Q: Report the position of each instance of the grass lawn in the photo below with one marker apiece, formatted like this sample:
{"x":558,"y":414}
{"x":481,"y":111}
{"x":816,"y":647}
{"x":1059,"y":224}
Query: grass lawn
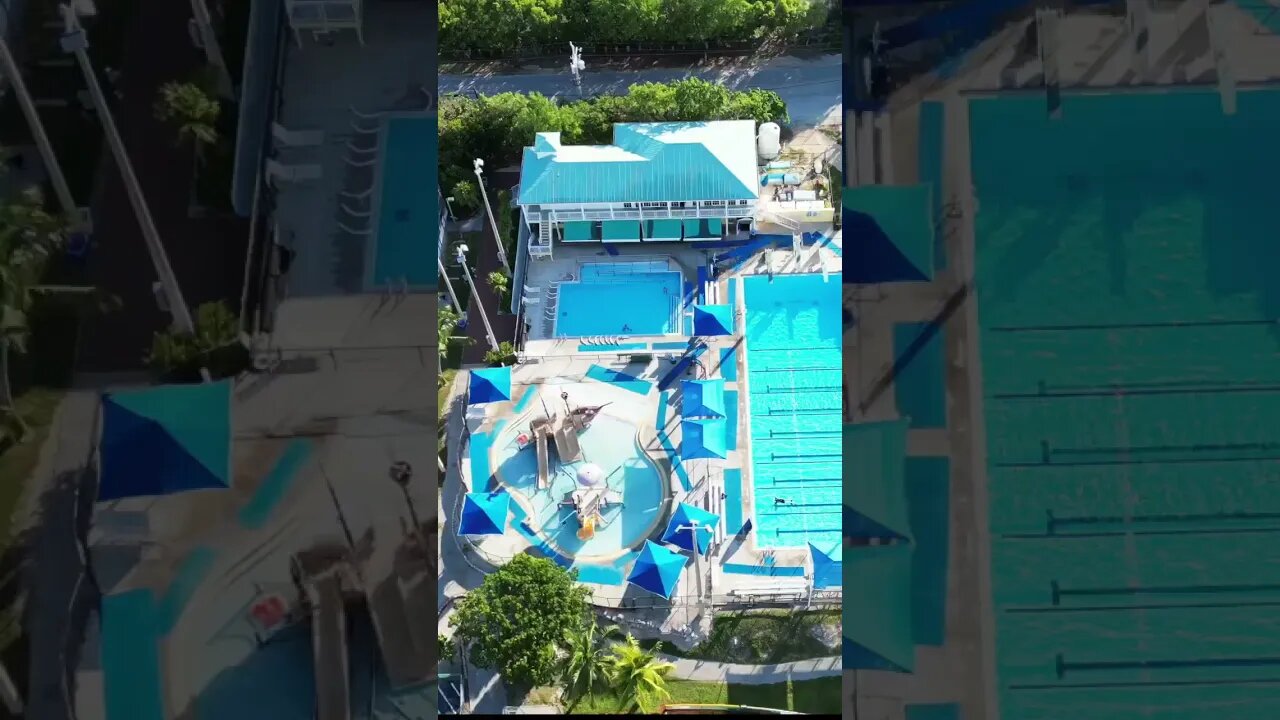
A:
{"x":821,"y":696}
{"x":442,"y":394}
{"x":36,"y":406}
{"x":762,"y":637}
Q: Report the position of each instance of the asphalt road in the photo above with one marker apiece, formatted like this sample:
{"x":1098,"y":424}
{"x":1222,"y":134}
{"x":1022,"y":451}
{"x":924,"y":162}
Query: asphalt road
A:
{"x":810,"y":87}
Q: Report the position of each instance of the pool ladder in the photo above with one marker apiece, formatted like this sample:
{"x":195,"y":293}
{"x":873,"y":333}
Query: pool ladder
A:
{"x":549,"y":310}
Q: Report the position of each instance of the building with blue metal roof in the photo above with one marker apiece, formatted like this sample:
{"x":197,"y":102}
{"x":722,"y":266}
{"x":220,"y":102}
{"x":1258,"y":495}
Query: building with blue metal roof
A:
{"x":657,"y":182}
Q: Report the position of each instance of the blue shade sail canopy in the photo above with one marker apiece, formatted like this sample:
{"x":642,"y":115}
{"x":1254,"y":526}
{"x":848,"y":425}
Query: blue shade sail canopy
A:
{"x":484,"y":513}
{"x":490,"y":385}
{"x":680,"y":530}
{"x":657,"y":569}
{"x":702,"y":398}
{"x":828,"y":568}
{"x":875,"y":496}
{"x":704,"y":440}
{"x":712,"y":320}
{"x":164,"y":440}
{"x":877,"y":623}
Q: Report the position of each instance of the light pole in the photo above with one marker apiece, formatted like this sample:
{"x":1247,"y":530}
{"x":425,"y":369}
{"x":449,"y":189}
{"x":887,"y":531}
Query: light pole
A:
{"x":212,"y":50}
{"x":60,"y":187}
{"x":75,"y":41}
{"x":478,"y":166}
{"x":461,"y":257}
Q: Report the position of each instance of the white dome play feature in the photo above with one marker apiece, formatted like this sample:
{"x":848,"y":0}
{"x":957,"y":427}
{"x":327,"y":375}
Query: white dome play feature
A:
{"x":590,"y":475}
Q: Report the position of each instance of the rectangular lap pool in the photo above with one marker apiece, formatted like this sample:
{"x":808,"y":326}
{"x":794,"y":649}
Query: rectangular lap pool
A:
{"x":794,"y":380}
{"x":1128,"y":307}
{"x":406,"y":216}
{"x":621,"y":299}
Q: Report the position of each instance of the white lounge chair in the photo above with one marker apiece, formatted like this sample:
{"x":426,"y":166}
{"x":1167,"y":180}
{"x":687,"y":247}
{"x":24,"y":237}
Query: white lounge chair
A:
{"x":278,"y":171}
{"x":364,"y":115}
{"x":354,"y":231}
{"x":296,"y":138}
{"x":363,"y":195}
{"x":361,"y":150}
{"x":353,"y":212}
{"x":361,"y":163}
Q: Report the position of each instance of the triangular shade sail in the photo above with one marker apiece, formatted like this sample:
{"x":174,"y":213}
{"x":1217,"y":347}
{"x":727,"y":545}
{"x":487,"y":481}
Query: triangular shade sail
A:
{"x":828,"y":570}
{"x":878,"y":633}
{"x":680,"y":530}
{"x":704,"y":440}
{"x":894,"y":225}
{"x":484,"y":513}
{"x":657,"y":569}
{"x":702,"y":398}
{"x":490,"y":385}
{"x":875,"y":497}
{"x":712,"y":320}
{"x":164,"y":440}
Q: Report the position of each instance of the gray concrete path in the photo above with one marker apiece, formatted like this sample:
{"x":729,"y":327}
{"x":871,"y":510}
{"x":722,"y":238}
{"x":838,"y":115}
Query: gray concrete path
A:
{"x":710,"y":671}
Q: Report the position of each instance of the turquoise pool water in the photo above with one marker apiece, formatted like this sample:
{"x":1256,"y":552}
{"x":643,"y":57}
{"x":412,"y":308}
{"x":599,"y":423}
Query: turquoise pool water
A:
{"x":793,"y":347}
{"x":1128,"y":304}
{"x":610,"y":443}
{"x":408,"y":213}
{"x":131,"y":657}
{"x":613,"y":301}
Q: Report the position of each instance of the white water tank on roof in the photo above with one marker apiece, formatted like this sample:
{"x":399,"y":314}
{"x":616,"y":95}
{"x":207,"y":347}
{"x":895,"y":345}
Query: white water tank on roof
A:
{"x":769,"y":141}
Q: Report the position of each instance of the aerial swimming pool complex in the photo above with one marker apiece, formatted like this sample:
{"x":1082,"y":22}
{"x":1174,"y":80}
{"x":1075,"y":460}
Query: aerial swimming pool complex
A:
{"x":671,"y":429}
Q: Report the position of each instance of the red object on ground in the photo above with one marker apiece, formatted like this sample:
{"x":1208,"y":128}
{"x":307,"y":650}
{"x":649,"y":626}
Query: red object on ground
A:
{"x":522,"y":439}
{"x":269,"y":612}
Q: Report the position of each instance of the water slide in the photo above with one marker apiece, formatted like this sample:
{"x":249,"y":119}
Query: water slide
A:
{"x":567,"y":446}
{"x":329,"y":645}
{"x":544,"y":464}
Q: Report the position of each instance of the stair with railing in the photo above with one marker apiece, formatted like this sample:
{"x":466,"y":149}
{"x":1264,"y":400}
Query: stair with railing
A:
{"x":540,"y":246}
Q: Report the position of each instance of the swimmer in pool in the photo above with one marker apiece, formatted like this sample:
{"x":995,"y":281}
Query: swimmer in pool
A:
{"x":626,"y":328}
{"x":781,"y":501}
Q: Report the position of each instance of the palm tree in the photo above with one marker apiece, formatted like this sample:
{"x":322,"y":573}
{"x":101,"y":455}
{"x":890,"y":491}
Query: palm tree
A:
{"x":588,"y":659}
{"x":28,"y":235}
{"x":636,"y":674}
{"x":191,"y":109}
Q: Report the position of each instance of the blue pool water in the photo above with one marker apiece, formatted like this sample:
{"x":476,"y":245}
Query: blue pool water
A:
{"x":794,"y":374}
{"x":258,"y":510}
{"x":610,"y":301}
{"x":408,"y":216}
{"x":610,"y":443}
{"x":131,"y":657}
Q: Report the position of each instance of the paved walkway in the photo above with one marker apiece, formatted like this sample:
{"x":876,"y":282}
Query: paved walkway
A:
{"x":709,"y":671}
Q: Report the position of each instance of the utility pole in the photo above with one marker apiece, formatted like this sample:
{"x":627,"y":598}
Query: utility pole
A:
{"x":76,"y":42}
{"x":51,"y":166}
{"x":475,"y":297}
{"x":478,"y":166}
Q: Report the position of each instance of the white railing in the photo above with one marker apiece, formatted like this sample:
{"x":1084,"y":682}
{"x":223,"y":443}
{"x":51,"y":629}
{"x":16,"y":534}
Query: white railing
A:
{"x":722,"y":212}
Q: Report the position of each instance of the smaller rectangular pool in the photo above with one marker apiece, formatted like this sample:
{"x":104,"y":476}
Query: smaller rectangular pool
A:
{"x":406,"y":217}
{"x":620,"y":303}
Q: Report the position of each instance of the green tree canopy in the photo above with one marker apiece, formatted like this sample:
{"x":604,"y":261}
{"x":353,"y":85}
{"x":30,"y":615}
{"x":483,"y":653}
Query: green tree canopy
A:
{"x":502,"y":27}
{"x":520,"y":618}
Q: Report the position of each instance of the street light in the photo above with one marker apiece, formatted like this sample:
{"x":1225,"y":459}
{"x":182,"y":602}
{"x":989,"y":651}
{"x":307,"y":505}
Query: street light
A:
{"x":51,"y":166}
{"x":461,"y":257}
{"x":478,"y":166}
{"x":75,"y":41}
{"x":448,"y":203}
{"x":401,"y":473}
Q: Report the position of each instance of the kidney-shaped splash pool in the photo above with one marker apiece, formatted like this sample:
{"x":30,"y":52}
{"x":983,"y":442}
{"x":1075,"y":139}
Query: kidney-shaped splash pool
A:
{"x":614,"y":445}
